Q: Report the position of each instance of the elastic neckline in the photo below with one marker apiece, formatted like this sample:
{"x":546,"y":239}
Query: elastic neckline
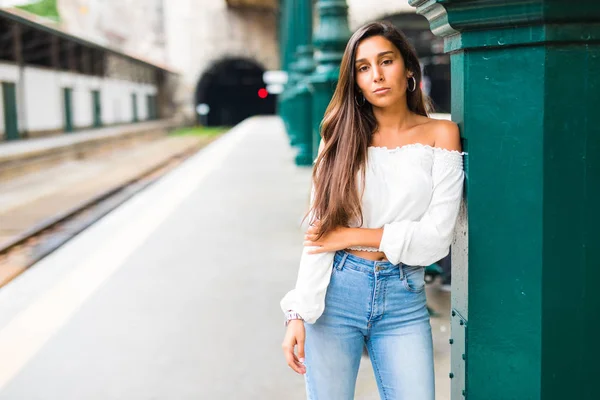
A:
{"x":415,"y":145}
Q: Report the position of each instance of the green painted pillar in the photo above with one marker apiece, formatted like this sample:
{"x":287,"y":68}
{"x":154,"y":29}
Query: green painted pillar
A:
{"x":526,"y":94}
{"x":330,"y":40}
{"x":304,"y":66}
{"x":283,"y":48}
{"x":134,"y":110}
{"x":97,"y":108}
{"x":291,"y":95}
{"x":11,"y":116}
{"x":288,"y":27}
{"x":293,"y":75}
{"x":289,"y":47}
{"x":68,"y":109}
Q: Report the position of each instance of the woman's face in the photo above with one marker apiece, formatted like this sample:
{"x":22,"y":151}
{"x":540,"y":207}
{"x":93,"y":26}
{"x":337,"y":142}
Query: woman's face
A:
{"x":380,"y":72}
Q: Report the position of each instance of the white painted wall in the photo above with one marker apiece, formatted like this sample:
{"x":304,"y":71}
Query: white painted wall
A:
{"x":44,"y":109}
{"x":116,"y":100}
{"x":43,"y":91}
{"x":143,"y":92}
{"x":112,"y":109}
{"x":9,"y":72}
{"x":82,"y":103}
{"x":13,"y":3}
{"x":142,"y":105}
{"x":43,"y":99}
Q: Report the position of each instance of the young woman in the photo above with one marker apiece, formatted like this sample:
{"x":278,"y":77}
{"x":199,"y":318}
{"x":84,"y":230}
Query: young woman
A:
{"x":387,"y":186}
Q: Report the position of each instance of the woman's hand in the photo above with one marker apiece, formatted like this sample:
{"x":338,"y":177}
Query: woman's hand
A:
{"x":338,"y":239}
{"x":294,"y":335}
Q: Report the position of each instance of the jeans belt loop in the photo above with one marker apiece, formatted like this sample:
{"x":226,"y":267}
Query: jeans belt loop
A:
{"x":342,"y":261}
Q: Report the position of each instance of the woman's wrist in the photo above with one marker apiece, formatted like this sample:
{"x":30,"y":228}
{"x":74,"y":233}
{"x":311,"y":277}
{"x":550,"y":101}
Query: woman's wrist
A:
{"x":353,"y":237}
{"x":291,"y":316}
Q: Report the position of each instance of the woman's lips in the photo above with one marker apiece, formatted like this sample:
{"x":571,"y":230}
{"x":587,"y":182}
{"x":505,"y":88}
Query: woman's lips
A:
{"x":381,"y":90}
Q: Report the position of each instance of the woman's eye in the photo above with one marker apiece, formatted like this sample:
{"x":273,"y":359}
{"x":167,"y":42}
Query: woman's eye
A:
{"x":386,"y":62}
{"x":363,"y":68}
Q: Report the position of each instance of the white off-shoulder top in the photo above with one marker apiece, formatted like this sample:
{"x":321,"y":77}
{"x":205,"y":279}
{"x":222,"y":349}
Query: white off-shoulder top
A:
{"x":413,"y":192}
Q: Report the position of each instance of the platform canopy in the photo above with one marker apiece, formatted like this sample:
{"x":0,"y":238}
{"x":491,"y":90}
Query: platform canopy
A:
{"x":253,"y":3}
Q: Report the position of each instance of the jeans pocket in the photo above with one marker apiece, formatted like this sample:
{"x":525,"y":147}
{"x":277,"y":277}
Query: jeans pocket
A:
{"x":414,"y":278}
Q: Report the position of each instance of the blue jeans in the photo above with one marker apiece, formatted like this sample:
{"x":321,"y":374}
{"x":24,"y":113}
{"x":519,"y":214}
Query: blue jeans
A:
{"x":382,"y":306}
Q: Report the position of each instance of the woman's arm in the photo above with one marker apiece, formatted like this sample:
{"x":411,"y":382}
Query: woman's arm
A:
{"x":428,"y":240}
{"x":414,"y":242}
{"x":342,"y":238}
{"x":308,"y":297}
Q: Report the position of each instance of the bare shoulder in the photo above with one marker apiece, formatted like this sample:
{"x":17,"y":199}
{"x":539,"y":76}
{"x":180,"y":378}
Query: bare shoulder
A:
{"x":445,"y":134}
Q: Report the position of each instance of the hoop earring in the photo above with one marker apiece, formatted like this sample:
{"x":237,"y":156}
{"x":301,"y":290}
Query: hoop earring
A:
{"x":360,"y":104}
{"x":414,"y":84}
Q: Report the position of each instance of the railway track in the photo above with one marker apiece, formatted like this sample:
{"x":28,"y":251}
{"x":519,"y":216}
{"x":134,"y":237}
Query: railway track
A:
{"x":24,"y":250}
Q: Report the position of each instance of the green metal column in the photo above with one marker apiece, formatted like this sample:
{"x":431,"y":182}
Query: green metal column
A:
{"x":282,"y":40}
{"x":134,"y":104}
{"x":96,"y":108}
{"x":9,"y":100}
{"x":329,"y":40}
{"x":153,"y":102}
{"x":293,"y":101}
{"x":150,"y":107}
{"x":303,"y":67}
{"x":525,"y":92}
{"x":286,"y":41}
{"x":68,"y":109}
{"x":288,"y":48}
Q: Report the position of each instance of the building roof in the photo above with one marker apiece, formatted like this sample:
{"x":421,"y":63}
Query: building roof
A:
{"x":52,"y":27}
{"x":268,"y":4}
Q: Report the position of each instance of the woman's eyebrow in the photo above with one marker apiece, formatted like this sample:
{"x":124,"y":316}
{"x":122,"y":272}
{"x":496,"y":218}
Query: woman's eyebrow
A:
{"x":383,"y":53}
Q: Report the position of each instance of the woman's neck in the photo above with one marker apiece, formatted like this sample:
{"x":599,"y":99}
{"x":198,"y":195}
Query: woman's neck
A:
{"x":392,"y":120}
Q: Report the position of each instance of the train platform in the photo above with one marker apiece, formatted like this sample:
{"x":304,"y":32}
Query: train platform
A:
{"x":175,"y":294}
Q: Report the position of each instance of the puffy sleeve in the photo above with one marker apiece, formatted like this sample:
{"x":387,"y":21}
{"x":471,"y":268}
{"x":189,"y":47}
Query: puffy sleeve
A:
{"x":308,"y":297}
{"x":428,"y":240}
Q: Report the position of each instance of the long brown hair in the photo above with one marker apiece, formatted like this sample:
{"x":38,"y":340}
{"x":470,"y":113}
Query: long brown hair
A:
{"x":346,"y":131}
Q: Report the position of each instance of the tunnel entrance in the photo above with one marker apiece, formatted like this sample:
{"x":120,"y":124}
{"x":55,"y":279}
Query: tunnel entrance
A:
{"x":233,"y":90}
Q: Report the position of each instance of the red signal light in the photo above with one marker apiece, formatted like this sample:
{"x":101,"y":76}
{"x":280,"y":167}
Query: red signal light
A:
{"x":262,"y":93}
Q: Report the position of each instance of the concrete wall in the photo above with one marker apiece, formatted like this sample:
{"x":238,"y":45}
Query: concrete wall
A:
{"x":200,"y":33}
{"x":360,"y":11}
{"x":132,"y":26}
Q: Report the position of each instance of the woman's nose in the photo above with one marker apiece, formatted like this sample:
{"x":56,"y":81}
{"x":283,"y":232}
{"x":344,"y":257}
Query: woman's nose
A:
{"x":377,"y":75}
